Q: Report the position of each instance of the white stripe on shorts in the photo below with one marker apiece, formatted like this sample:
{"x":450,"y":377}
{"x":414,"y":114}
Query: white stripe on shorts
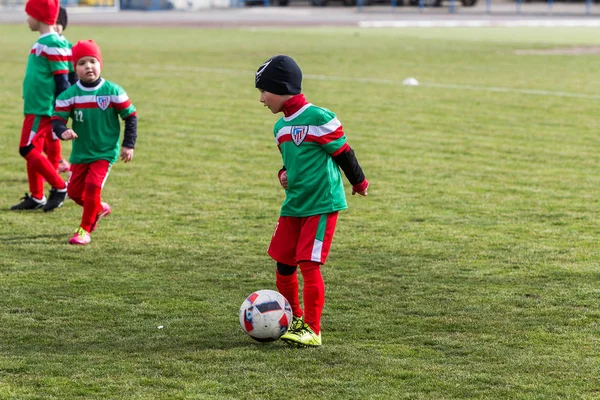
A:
{"x":316,"y":251}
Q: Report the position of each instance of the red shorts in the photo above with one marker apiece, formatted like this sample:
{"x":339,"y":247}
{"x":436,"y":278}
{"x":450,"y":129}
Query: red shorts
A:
{"x":36,"y":128}
{"x":94,"y":173}
{"x":303,"y":239}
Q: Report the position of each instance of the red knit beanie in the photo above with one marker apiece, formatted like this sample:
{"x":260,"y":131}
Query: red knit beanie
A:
{"x":86,"y":48}
{"x":45,"y":11}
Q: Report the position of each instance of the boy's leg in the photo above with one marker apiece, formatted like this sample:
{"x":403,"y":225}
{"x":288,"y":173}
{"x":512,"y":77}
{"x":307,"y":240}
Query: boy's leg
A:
{"x":283,"y":250}
{"x":76,"y":184}
{"x":91,"y":206}
{"x":36,"y":181}
{"x":40,"y":165}
{"x":52,"y":149}
{"x":75,"y":190}
{"x":39,"y":128}
{"x":31,"y":141}
{"x":313,"y":294}
{"x":38,"y":168}
{"x":96,"y":177}
{"x":313,"y":249}
{"x":34,"y":133}
{"x":287,"y":283}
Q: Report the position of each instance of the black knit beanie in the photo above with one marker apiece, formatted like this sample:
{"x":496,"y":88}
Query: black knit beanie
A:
{"x":279,"y":75}
{"x":62,"y":18}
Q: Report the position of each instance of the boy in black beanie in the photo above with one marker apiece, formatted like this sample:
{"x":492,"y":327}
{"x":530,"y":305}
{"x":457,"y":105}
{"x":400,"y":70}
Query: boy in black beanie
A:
{"x":313,"y":148}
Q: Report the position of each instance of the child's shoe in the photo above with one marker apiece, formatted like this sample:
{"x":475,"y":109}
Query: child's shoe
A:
{"x":304,"y":337}
{"x":105,"y":212}
{"x":56,"y":199}
{"x":297,"y":323}
{"x":29,"y":203}
{"x":81,"y":237}
{"x":63,"y":166}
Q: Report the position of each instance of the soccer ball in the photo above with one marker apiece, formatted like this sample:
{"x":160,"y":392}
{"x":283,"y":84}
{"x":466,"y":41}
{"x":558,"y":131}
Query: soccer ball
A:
{"x":265,"y":315}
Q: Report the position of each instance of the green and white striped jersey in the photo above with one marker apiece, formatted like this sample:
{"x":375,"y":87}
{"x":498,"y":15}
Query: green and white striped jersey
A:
{"x":306,"y":140}
{"x":70,"y":46}
{"x":95,"y":116}
{"x":49,"y":56}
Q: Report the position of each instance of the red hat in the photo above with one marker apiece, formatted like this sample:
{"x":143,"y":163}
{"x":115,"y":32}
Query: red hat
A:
{"x":86,"y":48}
{"x":45,"y":11}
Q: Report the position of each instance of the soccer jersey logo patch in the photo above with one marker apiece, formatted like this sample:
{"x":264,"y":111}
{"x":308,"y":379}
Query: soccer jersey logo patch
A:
{"x":103,"y":102}
{"x":299,"y":134}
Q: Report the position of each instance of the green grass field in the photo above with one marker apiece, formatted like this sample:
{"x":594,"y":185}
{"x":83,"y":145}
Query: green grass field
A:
{"x":470,"y":271}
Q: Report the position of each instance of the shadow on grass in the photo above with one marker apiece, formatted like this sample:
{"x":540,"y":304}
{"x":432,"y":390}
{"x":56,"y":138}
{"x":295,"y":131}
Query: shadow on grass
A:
{"x":141,"y":346}
{"x":15,"y":239}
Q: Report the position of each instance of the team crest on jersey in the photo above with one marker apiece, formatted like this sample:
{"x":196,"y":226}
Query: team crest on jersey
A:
{"x":299,"y":134}
{"x":103,"y":102}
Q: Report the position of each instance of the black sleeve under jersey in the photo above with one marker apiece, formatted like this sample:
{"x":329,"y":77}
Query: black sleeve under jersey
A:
{"x":62,"y":83}
{"x":349,"y":164}
{"x":58,"y":127}
{"x":130,"y":134}
{"x":73,"y":78}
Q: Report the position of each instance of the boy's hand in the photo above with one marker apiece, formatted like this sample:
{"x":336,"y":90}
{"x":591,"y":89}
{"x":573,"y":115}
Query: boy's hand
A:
{"x":69,"y":134}
{"x":283,"y":179}
{"x":361,"y":188}
{"x":126,"y":154}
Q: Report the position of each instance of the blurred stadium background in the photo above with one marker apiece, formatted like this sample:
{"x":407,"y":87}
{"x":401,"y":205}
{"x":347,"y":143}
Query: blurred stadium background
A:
{"x":516,"y":7}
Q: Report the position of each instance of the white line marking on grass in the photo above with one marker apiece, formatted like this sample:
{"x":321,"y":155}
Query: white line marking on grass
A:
{"x":379,"y":81}
{"x":457,"y":86}
{"x":537,"y":92}
{"x":481,"y":23}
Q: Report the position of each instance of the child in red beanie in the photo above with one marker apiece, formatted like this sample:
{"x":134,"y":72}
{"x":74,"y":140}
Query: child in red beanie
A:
{"x":46,"y":77}
{"x":53,"y":148}
{"x":313,"y":147}
{"x":94,"y":106}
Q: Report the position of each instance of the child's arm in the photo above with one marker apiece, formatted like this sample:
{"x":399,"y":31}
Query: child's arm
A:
{"x":73,"y":78}
{"x":129,"y":138}
{"x":62,"y":83}
{"x":59,"y":127}
{"x":347,"y":161}
{"x":283,"y":177}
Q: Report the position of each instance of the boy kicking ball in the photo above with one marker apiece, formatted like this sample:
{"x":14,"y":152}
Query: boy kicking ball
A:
{"x":313,"y":147}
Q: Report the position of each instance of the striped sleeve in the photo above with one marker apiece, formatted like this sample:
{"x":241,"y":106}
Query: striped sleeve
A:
{"x":330,"y":135}
{"x":63,"y":107}
{"x":122,"y":104}
{"x":58,"y":57}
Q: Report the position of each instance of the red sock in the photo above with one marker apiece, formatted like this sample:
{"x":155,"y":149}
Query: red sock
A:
{"x":36,"y":182}
{"x":313,"y":294}
{"x":288,"y":287}
{"x":91,"y":205}
{"x":52,"y":149}
{"x":39,"y":164}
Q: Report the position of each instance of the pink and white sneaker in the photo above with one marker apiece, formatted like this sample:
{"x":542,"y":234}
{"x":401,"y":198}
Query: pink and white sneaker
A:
{"x":81,"y":237}
{"x":105,"y":212}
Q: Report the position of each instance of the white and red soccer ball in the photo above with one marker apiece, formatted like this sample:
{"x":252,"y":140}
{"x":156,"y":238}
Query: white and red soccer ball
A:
{"x":265,"y":315}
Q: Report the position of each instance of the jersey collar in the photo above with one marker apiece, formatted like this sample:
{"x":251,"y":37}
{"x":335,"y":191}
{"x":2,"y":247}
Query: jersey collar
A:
{"x":91,"y":89}
{"x":293,"y":105}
